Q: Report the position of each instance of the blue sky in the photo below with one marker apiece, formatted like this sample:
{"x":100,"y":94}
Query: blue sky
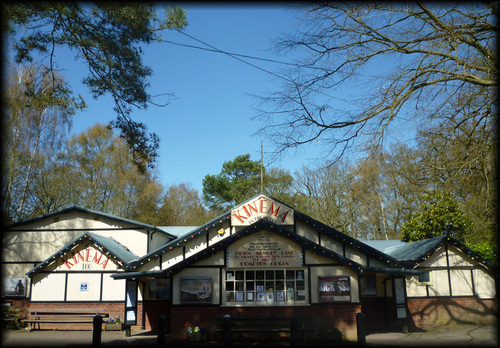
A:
{"x":210,"y":121}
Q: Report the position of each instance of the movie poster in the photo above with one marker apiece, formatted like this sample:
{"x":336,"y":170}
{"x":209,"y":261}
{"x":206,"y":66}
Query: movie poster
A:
{"x":160,"y":289}
{"x":14,"y":287}
{"x":196,"y":290}
{"x":334,"y":288}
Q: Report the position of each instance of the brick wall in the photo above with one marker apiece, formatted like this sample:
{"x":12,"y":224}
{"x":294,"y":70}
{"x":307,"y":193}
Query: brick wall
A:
{"x":455,"y":310}
{"x":342,"y":316}
{"x":154,"y":309}
{"x":113,"y":308}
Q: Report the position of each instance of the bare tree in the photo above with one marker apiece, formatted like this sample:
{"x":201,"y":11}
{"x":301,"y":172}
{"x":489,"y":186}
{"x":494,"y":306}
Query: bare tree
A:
{"x":404,"y":63}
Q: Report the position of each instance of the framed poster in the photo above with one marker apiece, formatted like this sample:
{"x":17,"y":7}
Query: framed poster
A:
{"x":160,"y":289}
{"x":399,"y":288}
{"x":334,"y":288}
{"x":196,"y":290}
{"x":14,"y":287}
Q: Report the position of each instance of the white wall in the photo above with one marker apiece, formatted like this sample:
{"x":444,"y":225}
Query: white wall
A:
{"x":49,"y":287}
{"x":466,"y":276}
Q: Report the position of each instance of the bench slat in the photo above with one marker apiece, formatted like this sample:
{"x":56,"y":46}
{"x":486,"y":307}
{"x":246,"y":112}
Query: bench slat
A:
{"x":63,"y":316}
{"x":58,"y":321}
{"x":67,"y":310}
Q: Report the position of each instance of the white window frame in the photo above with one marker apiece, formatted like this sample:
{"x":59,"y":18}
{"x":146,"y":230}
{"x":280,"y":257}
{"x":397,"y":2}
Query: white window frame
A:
{"x":239,"y":289}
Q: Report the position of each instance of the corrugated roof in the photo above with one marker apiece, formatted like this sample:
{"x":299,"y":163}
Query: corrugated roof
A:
{"x":415,"y":251}
{"x":178,"y":231}
{"x":114,"y":247}
{"x":383,"y":245}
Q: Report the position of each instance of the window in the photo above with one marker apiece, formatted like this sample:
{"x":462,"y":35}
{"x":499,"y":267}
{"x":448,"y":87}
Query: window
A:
{"x":265,"y":287}
{"x":424,"y":277}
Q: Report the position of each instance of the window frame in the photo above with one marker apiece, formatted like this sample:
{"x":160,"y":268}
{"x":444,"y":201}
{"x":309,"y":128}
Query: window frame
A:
{"x":267,"y":287}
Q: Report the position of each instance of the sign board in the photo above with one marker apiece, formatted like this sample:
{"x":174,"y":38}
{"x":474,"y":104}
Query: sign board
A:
{"x":259,"y":208}
{"x":401,"y":312}
{"x":264,"y":249}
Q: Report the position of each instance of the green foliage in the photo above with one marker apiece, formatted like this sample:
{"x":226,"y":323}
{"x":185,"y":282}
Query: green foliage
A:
{"x":439,"y":214}
{"x":107,"y":36}
{"x":486,"y":250}
{"x":238,"y":180}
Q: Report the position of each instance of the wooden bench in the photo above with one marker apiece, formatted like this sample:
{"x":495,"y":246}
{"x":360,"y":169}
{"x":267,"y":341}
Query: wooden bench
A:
{"x":251,"y":327}
{"x":62,"y":316}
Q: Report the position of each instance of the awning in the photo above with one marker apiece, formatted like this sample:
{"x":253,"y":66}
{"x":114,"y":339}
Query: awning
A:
{"x":393,"y":271}
{"x":143,"y":274}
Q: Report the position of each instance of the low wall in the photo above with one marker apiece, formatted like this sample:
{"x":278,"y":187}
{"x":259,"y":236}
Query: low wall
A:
{"x":325,"y":316}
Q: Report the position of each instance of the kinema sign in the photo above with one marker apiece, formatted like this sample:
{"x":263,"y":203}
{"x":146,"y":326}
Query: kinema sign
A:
{"x":86,"y":260}
{"x":259,"y":208}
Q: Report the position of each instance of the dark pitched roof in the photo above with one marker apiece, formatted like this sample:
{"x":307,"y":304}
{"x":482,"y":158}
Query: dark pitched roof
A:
{"x":181,"y":240}
{"x":111,"y":247}
{"x":416,"y":250}
{"x":79,"y":209}
{"x":318,"y":226}
{"x":413,"y":253}
{"x":257,"y":226}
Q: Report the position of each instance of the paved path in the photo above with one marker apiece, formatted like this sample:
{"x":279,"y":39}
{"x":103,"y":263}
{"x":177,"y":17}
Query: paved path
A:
{"x":442,"y":336}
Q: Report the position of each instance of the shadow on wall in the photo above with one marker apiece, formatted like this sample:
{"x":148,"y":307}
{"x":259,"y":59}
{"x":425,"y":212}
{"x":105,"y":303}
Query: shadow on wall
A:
{"x":443,"y":311}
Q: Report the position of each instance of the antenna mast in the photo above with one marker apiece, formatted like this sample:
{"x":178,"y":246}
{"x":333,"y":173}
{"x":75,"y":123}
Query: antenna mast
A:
{"x":261,"y":167}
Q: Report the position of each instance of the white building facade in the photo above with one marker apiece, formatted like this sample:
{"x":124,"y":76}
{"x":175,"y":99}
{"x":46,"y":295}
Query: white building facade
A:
{"x":262,"y":257}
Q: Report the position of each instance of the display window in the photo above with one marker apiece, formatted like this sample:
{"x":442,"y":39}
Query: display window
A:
{"x":265,"y":287}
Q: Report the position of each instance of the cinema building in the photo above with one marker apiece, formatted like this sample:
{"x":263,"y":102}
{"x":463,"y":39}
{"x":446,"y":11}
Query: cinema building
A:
{"x":260,"y":258}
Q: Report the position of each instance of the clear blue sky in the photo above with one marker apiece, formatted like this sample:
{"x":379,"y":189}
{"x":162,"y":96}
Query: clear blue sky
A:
{"x":210,"y":122}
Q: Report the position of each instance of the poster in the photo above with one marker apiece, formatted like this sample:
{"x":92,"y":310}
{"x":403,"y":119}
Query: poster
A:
{"x":196,"y":290}
{"x":399,"y":287}
{"x":160,"y":289}
{"x":14,"y":287}
{"x":334,"y":288}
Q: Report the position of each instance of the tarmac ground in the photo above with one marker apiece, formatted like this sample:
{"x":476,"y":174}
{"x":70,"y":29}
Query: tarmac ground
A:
{"x":436,"y":336}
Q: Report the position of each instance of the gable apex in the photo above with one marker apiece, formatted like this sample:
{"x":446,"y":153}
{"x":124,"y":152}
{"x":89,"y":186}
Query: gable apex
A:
{"x":262,"y":207}
{"x":107,"y":247}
